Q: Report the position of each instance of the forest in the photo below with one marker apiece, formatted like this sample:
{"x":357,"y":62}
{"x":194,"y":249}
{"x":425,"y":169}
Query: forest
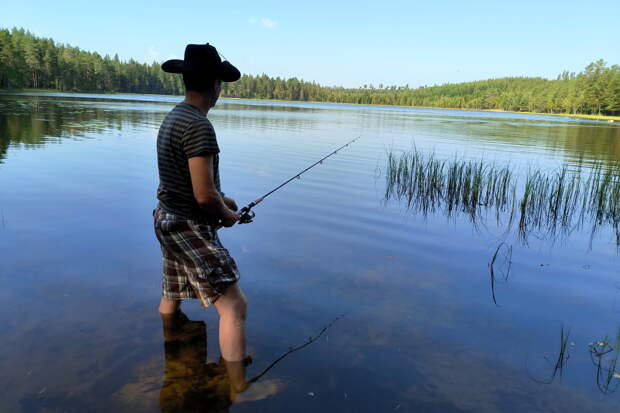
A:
{"x":28,"y":61}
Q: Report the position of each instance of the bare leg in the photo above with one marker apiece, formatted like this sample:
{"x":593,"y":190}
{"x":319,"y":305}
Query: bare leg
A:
{"x":167,"y":306}
{"x":236,"y":374}
{"x":232,"y":309}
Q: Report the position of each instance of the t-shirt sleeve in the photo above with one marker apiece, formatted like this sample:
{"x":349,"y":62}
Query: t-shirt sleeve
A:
{"x":199,"y":139}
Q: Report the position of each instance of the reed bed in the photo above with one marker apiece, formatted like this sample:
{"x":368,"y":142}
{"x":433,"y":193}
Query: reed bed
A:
{"x":544,"y":203}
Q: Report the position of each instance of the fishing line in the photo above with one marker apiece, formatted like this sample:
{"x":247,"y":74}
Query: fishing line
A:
{"x":246,"y":213}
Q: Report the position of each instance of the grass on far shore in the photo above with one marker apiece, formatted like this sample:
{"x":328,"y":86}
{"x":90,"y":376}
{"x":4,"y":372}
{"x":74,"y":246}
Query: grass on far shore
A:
{"x":570,"y":115}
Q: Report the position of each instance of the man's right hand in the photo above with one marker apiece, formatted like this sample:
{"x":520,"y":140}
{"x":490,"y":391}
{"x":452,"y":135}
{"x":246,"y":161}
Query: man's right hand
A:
{"x":206,"y":194}
{"x":230,"y":218}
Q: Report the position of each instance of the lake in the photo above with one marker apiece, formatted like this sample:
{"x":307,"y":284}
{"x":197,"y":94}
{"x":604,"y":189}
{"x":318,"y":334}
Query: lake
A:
{"x":406,"y":297}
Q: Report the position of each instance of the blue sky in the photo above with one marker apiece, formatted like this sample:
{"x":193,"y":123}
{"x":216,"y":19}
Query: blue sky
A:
{"x":347,"y":43}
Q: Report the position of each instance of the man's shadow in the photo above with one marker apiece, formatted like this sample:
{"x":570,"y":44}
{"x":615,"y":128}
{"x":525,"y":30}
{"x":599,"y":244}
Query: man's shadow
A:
{"x":191,"y":383}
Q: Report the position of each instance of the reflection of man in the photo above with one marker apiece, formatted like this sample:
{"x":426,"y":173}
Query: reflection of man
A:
{"x":191,"y":205}
{"x":190,"y":383}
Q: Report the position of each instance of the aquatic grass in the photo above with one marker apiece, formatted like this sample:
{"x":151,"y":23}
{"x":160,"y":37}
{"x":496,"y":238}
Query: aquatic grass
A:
{"x":503,"y":266}
{"x":428,"y":184}
{"x":560,"y":361}
{"x":604,"y":356}
{"x":544,"y":203}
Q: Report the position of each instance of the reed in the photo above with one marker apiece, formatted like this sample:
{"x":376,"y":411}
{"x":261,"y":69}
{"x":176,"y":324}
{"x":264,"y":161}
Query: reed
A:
{"x":558,"y":363}
{"x":502,"y":267}
{"x":548,"y":204}
{"x":604,"y":356}
{"x":428,"y":184}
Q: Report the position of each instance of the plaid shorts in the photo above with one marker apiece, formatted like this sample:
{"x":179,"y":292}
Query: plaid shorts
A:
{"x":196,"y":265}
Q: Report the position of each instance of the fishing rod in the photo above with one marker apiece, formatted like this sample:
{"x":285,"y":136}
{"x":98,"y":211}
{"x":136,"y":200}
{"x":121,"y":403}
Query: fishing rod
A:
{"x":246,"y":213}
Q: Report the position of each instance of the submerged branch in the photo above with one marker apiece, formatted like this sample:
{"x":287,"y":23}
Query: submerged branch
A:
{"x":294,"y":349}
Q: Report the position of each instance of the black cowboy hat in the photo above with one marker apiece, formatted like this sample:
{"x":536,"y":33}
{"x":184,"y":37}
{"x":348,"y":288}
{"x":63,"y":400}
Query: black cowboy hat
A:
{"x":203,"y":59}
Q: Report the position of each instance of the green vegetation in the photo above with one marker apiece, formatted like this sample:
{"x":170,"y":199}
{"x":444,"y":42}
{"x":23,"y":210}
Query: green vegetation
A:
{"x":604,"y":356}
{"x":27,"y":61}
{"x":595,"y":91}
{"x":428,"y":184}
{"x":546,"y":204}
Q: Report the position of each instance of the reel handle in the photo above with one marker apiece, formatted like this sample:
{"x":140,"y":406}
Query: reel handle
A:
{"x":246,"y":215}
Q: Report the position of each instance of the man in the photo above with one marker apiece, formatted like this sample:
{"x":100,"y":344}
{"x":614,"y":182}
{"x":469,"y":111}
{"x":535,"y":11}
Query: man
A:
{"x":191,"y":205}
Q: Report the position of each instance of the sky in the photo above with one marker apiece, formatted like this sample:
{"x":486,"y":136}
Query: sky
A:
{"x":342,"y":42}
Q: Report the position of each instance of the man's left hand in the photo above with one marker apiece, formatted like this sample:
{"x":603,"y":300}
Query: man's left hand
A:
{"x":230,"y":203}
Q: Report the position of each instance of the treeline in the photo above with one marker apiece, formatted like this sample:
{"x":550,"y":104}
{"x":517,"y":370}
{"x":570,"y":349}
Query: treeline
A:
{"x":27,"y":61}
{"x":596,"y":90}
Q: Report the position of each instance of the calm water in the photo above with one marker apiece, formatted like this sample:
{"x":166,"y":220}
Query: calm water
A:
{"x":80,"y":267}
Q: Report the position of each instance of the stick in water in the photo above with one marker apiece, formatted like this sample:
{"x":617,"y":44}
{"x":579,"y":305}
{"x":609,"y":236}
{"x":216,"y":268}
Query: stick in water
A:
{"x":294,"y":349}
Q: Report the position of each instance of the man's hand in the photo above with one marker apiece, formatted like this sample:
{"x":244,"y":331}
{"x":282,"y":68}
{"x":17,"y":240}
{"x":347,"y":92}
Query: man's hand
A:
{"x":205,"y":193}
{"x":229,"y":218}
{"x":230,"y":203}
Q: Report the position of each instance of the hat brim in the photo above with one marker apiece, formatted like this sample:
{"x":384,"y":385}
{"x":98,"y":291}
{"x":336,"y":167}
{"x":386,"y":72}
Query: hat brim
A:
{"x":173,"y":66}
{"x":224,"y":71}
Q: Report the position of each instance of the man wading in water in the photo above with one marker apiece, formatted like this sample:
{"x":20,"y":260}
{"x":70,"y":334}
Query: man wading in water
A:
{"x":192,"y":206}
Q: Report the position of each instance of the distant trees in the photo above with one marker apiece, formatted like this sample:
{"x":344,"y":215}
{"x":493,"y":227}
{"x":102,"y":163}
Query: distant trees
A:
{"x":594,"y":91}
{"x":600,"y":88}
{"x":27,"y":61}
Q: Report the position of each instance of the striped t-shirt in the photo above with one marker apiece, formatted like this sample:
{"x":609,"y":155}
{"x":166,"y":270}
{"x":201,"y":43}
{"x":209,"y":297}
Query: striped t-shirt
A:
{"x":184,"y":133}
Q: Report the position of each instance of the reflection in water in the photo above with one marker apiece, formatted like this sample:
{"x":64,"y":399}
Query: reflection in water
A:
{"x":264,"y":106}
{"x":573,"y":139}
{"x":34,"y":121}
{"x":193,"y":384}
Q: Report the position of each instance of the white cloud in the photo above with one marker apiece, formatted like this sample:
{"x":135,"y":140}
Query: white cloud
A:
{"x":265,"y":22}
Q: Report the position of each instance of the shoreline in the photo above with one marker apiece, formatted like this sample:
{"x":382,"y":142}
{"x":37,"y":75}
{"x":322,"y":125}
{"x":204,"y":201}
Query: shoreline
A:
{"x":570,"y":115}
{"x":608,"y":118}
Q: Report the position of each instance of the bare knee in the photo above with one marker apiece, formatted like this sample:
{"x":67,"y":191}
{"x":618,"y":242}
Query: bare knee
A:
{"x":239,"y":308}
{"x":168,"y":306}
{"x":232,"y":304}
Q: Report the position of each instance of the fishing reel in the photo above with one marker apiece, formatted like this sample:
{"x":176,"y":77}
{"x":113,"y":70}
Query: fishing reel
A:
{"x":246,"y":215}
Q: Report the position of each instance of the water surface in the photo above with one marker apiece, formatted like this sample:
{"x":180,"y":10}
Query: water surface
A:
{"x":80,"y":265}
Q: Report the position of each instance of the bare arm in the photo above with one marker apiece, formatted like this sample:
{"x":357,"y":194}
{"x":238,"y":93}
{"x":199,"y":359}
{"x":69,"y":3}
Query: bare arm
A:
{"x":205,"y":193}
